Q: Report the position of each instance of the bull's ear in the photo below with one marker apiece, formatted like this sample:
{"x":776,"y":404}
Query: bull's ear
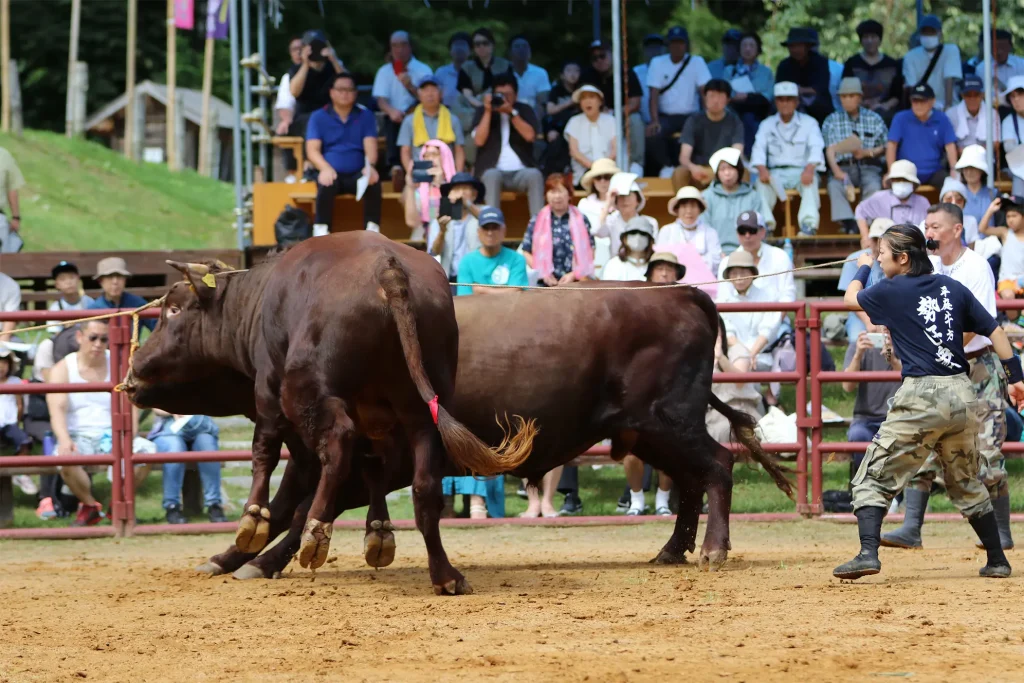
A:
{"x":199,"y":276}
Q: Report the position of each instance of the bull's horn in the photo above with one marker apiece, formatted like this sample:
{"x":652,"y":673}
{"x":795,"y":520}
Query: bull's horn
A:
{"x":199,"y":269}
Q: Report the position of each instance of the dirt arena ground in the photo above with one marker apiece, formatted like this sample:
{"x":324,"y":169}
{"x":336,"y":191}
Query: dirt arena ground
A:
{"x":566,"y":605}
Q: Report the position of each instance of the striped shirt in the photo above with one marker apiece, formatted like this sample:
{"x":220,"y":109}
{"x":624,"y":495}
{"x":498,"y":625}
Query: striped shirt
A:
{"x":869,"y":127}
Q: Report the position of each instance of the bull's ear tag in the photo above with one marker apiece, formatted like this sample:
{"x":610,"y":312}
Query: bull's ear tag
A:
{"x":210,"y":281}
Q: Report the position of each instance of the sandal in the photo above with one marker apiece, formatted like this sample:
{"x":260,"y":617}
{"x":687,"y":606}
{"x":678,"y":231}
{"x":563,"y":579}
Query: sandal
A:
{"x":478,"y":512}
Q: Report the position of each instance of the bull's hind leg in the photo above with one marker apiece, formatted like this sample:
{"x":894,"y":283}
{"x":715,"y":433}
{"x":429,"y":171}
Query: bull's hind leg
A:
{"x":334,"y":445}
{"x":428,"y":452}
{"x":718,"y":480}
{"x":669,"y":455}
{"x":379,"y":541}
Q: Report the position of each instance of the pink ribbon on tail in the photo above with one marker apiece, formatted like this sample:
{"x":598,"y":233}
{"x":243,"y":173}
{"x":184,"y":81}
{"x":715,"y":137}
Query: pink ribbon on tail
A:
{"x":433,"y":408}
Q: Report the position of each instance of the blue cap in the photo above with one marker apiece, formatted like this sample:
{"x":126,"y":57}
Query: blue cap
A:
{"x":677,"y":33}
{"x":972,"y":83}
{"x":429,"y":79}
{"x":733,"y":35}
{"x":930,"y":21}
{"x":654,"y":39}
{"x":490,"y":215}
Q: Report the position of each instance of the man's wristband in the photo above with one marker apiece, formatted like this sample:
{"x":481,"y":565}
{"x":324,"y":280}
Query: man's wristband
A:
{"x":863,"y":273}
{"x":1012,"y":368}
{"x":15,"y":218}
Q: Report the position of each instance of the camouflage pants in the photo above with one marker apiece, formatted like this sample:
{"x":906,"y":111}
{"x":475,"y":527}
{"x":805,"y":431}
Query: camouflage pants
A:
{"x":930,"y":416}
{"x":989,"y":380}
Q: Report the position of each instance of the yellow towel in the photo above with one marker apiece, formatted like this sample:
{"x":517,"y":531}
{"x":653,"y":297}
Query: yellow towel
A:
{"x":445,"y":133}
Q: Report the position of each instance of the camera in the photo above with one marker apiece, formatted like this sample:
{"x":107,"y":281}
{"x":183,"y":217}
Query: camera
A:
{"x":497,"y":101}
{"x":317,"y":41}
{"x":420,"y":171}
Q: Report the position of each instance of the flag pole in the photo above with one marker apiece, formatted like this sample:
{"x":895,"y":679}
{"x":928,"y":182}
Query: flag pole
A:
{"x":69,"y":116}
{"x":172,"y":77}
{"x":129,"y":71}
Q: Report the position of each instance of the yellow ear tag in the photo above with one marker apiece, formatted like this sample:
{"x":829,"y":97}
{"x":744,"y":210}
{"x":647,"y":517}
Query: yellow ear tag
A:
{"x":210,"y":281}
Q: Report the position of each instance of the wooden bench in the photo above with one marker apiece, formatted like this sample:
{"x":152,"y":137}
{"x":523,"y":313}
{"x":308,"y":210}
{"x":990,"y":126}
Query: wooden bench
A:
{"x":42,"y":299}
{"x":295,"y":144}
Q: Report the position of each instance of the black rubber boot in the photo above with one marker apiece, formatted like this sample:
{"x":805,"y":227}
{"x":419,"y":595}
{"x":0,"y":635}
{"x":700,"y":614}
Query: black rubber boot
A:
{"x":997,"y":567}
{"x":1001,"y":508}
{"x":869,"y":524}
{"x":909,"y":535}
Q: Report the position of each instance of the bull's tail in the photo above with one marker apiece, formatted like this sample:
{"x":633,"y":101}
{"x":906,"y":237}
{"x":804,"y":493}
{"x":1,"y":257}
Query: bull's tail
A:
{"x":743,"y":433}
{"x":462,"y":445}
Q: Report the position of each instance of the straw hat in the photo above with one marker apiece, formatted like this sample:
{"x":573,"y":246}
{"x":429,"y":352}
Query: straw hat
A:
{"x":578,"y":94}
{"x":688,"y":192}
{"x":739,"y":259}
{"x":598,"y":168}
{"x":669,"y":258}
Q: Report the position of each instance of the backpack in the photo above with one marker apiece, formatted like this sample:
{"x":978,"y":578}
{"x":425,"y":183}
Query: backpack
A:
{"x":292,"y":226}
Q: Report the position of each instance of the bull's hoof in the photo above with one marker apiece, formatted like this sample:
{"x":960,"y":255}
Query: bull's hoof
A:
{"x":379,"y":544}
{"x":253,"y":530}
{"x":668,"y":557}
{"x":316,"y":541}
{"x":249,"y":571}
{"x":712,"y":560}
{"x":210,"y":567}
{"x":454,"y":587}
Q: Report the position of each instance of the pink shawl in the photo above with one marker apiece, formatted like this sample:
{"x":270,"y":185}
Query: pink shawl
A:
{"x":431,"y":193}
{"x":543,"y":248}
{"x":696,"y":269}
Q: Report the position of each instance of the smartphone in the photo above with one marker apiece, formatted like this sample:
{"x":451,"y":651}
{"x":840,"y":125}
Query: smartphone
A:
{"x":877,"y":339}
{"x":420,"y":171}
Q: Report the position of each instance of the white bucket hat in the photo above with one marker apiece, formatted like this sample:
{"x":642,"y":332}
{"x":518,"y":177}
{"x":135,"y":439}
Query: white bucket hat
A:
{"x":904,"y":170}
{"x":973,"y":156}
{"x":1015,"y":83}
{"x":625,"y":183}
{"x":729,"y":155}
{"x":879,"y":226}
{"x":583,"y":89}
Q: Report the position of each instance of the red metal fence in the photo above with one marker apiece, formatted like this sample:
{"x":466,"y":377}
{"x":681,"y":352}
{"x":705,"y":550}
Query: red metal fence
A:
{"x":122,"y":504}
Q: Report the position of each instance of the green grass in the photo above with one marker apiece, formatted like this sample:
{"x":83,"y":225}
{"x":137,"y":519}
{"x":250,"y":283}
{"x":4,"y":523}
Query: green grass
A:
{"x":83,"y":196}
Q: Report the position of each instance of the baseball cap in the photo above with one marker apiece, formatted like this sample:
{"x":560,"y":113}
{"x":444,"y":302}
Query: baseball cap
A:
{"x":654,"y":39}
{"x":429,"y":79}
{"x":930,"y":21}
{"x":600,"y":43}
{"x":63,"y":267}
{"x":850,"y":86}
{"x":786,"y":89}
{"x":733,"y":35}
{"x":971,"y":83}
{"x":749,"y":219}
{"x":879,"y":226}
{"x":922,"y":92}
{"x":1013,"y":200}
{"x":491,"y":215}
{"x":677,"y":33}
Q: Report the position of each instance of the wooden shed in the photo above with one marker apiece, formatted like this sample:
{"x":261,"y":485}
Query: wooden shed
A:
{"x":107,"y":124}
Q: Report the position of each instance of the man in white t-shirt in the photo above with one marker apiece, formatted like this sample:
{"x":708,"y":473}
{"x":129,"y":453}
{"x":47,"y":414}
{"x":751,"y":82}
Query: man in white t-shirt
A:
{"x":592,"y":133}
{"x":675,"y":82}
{"x":944,"y":225}
{"x":947,"y":70}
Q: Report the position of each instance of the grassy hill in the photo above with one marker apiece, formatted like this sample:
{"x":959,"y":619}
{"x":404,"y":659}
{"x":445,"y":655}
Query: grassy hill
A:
{"x":82,"y":196}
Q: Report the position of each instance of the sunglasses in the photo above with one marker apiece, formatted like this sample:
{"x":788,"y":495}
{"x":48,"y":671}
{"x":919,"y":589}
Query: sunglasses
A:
{"x":747,"y":231}
{"x":98,"y":337}
{"x":602,"y":177}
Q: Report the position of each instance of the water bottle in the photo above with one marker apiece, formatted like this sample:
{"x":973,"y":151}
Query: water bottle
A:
{"x":787,"y":247}
{"x":49,"y":443}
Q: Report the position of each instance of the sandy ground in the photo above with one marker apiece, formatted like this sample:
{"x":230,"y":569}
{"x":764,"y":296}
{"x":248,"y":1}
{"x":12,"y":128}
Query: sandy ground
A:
{"x":550,"y":604}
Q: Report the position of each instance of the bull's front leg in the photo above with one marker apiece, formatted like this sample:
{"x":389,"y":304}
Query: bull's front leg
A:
{"x":684,"y":535}
{"x":716,"y":546}
{"x":254,"y":526}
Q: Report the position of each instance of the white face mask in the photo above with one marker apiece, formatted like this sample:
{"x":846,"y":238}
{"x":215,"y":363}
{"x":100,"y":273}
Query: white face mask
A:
{"x":637,"y":242}
{"x":929,"y":42}
{"x":902,"y":189}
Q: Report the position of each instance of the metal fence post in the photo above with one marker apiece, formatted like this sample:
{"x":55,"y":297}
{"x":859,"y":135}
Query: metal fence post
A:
{"x":814,"y":325}
{"x":127,"y":432}
{"x":802,"y":421}
{"x":118,"y":507}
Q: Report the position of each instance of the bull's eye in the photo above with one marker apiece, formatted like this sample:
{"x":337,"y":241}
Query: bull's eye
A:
{"x":173,"y":310}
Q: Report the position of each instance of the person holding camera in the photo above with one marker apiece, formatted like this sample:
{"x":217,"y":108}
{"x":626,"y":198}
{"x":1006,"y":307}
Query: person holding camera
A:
{"x":341,"y":143}
{"x":395,"y":89}
{"x":504,"y":131}
{"x":454,"y":233}
{"x":310,"y":80}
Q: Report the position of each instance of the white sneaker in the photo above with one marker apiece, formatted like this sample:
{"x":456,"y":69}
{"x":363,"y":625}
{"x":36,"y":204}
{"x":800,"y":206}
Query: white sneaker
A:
{"x":25,"y":483}
{"x":290,"y":179}
{"x":320,"y":230}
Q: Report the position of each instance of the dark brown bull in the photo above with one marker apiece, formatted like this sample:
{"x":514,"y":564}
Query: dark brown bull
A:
{"x":345,"y":336}
{"x":633,"y":366}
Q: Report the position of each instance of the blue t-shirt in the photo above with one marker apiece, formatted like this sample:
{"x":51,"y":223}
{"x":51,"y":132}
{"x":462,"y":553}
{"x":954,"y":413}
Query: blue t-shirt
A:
{"x":129,"y":301}
{"x":507,"y":268}
{"x":343,"y":140}
{"x":923,"y":143}
{"x":927,"y":317}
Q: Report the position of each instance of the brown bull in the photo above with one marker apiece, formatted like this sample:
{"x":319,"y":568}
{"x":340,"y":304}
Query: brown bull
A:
{"x":343,"y":337}
{"x":632,"y":366}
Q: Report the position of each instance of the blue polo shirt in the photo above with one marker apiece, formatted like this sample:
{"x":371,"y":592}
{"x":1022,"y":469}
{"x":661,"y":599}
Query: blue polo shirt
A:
{"x":343,"y":140}
{"x":128,"y":301}
{"x":923,"y":143}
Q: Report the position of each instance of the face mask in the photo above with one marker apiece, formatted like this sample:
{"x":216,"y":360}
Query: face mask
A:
{"x":688,"y":226}
{"x":902,"y":189}
{"x":636,"y":242}
{"x":929,"y":42}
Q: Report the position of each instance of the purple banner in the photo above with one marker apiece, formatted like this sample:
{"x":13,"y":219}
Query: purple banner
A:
{"x":217,"y":19}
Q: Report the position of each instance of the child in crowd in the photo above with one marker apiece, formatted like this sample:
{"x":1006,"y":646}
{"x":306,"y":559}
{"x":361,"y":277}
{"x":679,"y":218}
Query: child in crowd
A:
{"x":688,"y":205}
{"x":69,"y":284}
{"x":1011,"y":267}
